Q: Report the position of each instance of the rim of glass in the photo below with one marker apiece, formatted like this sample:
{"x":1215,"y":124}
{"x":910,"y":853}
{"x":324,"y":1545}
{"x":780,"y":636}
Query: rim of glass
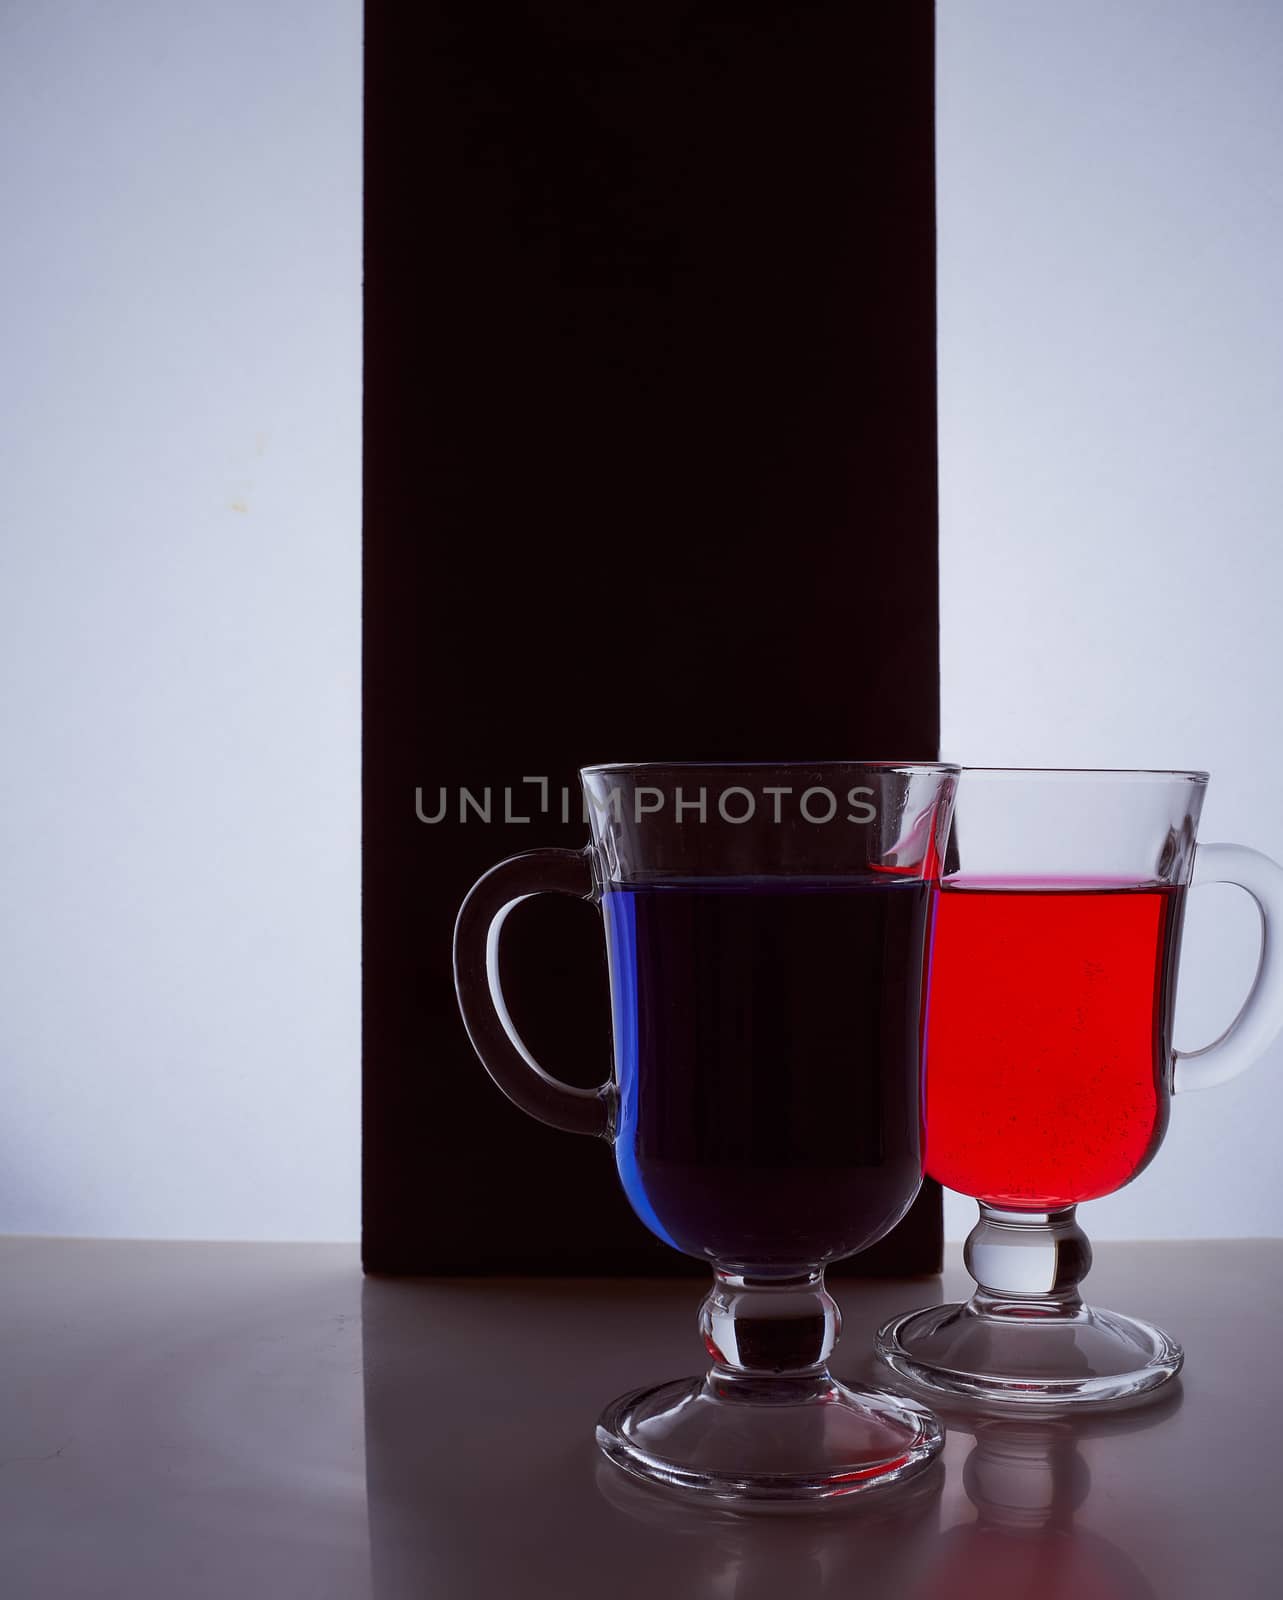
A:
{"x":1178,"y":775}
{"x":765,"y":766}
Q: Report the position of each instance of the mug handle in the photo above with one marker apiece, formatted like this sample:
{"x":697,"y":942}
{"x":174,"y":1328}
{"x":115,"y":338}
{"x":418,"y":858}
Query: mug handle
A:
{"x":1260,"y":1018}
{"x":485,"y":1015}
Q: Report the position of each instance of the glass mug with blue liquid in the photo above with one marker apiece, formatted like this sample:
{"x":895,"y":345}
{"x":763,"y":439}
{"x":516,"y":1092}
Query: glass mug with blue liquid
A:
{"x":766,"y":930}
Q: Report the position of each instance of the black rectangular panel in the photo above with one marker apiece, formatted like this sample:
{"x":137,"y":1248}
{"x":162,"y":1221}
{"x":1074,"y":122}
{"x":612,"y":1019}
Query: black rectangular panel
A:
{"x":650,"y":474}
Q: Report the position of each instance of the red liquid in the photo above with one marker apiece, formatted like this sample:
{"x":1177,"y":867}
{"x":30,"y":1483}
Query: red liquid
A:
{"x":1048,"y":1040}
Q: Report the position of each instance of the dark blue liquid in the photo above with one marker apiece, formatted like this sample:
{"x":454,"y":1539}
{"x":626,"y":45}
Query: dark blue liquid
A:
{"x":767,"y":1052}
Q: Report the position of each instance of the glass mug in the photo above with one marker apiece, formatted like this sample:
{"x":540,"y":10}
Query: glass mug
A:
{"x":765,"y":932}
{"x":1049,"y":1062}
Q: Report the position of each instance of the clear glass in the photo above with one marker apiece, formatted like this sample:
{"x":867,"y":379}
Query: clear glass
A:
{"x":1049,"y":1061}
{"x":765,"y":930}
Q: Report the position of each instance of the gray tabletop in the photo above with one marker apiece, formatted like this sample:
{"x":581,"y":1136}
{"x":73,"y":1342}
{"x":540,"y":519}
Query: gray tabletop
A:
{"x":242,"y":1420}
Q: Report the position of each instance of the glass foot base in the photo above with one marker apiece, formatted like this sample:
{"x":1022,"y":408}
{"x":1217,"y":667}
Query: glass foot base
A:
{"x":777,"y":1438}
{"x":1029,"y":1355}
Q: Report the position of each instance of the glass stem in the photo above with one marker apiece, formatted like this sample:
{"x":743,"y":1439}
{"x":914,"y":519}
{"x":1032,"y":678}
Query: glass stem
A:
{"x":755,"y":1327}
{"x":1031,"y":1260}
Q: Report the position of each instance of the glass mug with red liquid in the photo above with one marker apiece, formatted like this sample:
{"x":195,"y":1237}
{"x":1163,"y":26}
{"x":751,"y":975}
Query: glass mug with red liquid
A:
{"x":1049,"y":1063}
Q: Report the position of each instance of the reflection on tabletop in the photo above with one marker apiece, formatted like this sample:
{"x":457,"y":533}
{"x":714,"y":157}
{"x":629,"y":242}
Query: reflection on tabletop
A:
{"x":1030,"y":1485}
{"x":869,"y":1546}
{"x":483,"y":1476}
{"x":1026,"y":1481}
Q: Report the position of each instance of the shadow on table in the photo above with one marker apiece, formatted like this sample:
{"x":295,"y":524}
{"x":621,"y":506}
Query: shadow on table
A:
{"x":483,"y":1478}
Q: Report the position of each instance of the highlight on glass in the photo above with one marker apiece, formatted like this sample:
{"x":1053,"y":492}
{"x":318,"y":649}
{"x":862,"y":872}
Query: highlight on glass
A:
{"x":765,"y":928}
{"x":1049,"y":1061}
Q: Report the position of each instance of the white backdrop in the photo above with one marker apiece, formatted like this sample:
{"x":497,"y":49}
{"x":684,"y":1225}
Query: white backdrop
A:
{"x":179,"y":438}
{"x":1111,"y":444}
{"x":180,"y":428}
